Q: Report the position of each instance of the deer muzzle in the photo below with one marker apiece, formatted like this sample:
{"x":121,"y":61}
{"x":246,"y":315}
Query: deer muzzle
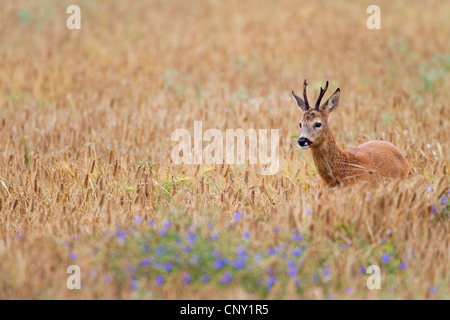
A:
{"x":304,"y":143}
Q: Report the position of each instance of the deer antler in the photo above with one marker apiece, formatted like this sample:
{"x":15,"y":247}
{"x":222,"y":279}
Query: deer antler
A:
{"x":322,"y":92}
{"x":304,"y":95}
{"x":299,"y":100}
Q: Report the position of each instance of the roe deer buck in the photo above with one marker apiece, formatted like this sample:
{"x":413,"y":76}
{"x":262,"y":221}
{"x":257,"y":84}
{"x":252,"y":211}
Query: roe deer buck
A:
{"x":372,"y":160}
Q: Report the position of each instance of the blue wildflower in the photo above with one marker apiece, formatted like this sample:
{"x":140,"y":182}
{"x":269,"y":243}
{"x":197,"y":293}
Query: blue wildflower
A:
{"x":73,"y":256}
{"x":159,"y":280}
{"x":298,"y":282}
{"x":291,"y":264}
{"x":292,"y":272}
{"x":297,"y":252}
{"x":219,"y":264}
{"x":216,"y":253}
{"x":205,"y":278}
{"x":308,"y":211}
{"x":187,"y":249}
{"x":348,"y":290}
{"x":138,"y":219}
{"x":272,"y":251}
{"x":362,"y":270}
{"x":145,"y":262}
{"x":326,"y":272}
{"x":191,"y":238}
{"x":433,"y":290}
{"x":386,"y":258}
{"x":239,"y":264}
{"x":297,"y":237}
{"x":237,"y":216}
{"x":186,"y":278}
{"x":226,"y":279}
{"x":214,"y":236}
{"x":246,"y":234}
{"x":276,"y":230}
{"x":167,"y":224}
{"x":134,"y":285}
{"x":168,"y":266}
{"x":403,"y":265}
{"x":315,"y":277}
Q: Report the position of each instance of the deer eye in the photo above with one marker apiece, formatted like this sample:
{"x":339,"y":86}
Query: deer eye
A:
{"x":317,"y":125}
{"x":300,"y":125}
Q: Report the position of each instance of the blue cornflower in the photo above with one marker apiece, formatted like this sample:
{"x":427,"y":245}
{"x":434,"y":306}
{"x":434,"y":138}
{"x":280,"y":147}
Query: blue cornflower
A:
{"x":297,"y":237}
{"x":66,"y":244}
{"x":19,"y":235}
{"x":308,"y":211}
{"x":134,"y":285}
{"x":246,"y":234}
{"x":205,"y":278}
{"x":297,"y":252}
{"x":186,"y":278}
{"x":237,"y":216}
{"x":346,"y":245}
{"x":349,"y":290}
{"x":272,"y":251}
{"x":325,"y":272}
{"x":240,"y":251}
{"x":146,"y":262}
{"x":362,"y":270}
{"x":73,"y":256}
{"x":403,"y":265}
{"x":239,"y":264}
{"x":167,"y":224}
{"x":226,"y":279}
{"x":187,"y":249}
{"x":219,"y":264}
{"x":191,"y":238}
{"x":159,"y":280}
{"x":214,"y":236}
{"x":276,"y":230}
{"x":138,"y":219}
{"x":210,"y":225}
{"x":298,"y":282}
{"x":74,"y":237}
{"x":386,"y":258}
{"x":168,"y":266}
{"x":444,"y":200}
{"x":315,"y":277}
{"x":270,"y":282}
{"x":216,"y":253}
{"x":291,"y":264}
{"x":433,"y":290}
{"x":292,"y":272}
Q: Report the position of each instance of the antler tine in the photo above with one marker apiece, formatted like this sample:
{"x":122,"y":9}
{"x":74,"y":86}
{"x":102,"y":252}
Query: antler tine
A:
{"x":322,"y":92}
{"x":304,"y":95}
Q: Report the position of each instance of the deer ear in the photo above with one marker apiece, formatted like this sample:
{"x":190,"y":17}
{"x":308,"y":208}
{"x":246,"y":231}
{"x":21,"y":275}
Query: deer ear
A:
{"x":301,"y":104}
{"x":332,"y":102}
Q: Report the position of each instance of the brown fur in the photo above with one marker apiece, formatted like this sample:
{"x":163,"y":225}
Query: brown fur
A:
{"x":371,"y":161}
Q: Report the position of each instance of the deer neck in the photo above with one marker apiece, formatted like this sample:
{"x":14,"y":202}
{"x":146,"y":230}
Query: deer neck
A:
{"x":329,"y":160}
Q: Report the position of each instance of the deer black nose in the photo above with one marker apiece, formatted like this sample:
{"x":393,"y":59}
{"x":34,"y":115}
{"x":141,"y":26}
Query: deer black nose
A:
{"x":304,"y":142}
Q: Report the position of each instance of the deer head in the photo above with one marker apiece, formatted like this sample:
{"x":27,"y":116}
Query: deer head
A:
{"x":314,"y":122}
